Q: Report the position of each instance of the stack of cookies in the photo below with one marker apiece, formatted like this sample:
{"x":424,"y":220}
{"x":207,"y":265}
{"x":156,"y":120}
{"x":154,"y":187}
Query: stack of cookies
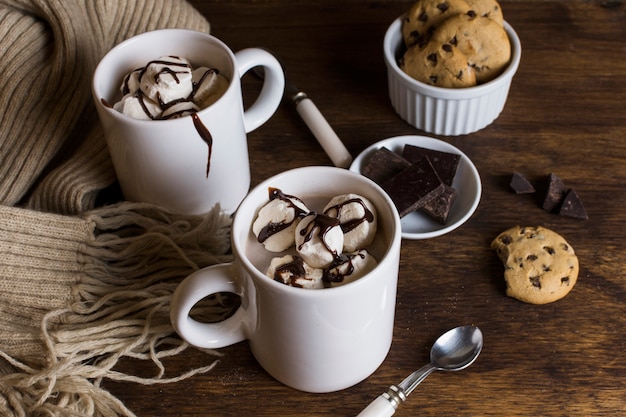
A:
{"x":455,"y":43}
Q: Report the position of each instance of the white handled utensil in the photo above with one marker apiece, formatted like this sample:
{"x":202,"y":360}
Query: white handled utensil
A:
{"x":454,"y":350}
{"x":323,"y":132}
{"x":317,"y":123}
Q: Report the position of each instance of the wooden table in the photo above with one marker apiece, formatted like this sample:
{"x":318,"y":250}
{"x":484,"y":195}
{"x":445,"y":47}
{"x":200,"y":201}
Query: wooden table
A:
{"x":566,"y":114}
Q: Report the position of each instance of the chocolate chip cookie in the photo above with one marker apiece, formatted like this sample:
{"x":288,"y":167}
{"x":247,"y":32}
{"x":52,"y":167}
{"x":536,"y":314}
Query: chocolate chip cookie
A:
{"x":438,"y":64}
{"x":482,"y":40}
{"x":425,"y":15}
{"x":539,"y":265}
{"x":487,"y":8}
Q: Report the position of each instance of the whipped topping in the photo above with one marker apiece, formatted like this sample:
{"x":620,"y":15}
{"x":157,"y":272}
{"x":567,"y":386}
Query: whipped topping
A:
{"x":276,"y":222}
{"x":319,"y":239}
{"x":168,"y":87}
{"x":357,"y":217}
{"x":349,"y":267}
{"x":293,"y":271}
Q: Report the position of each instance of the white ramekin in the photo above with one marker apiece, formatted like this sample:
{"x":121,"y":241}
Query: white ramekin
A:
{"x":446,"y":111}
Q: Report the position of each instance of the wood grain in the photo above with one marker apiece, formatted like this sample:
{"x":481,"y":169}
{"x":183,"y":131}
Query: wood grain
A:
{"x":565,"y":114}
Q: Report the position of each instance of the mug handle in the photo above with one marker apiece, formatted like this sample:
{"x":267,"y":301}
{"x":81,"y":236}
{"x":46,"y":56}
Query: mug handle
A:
{"x":273,"y":85}
{"x":198,"y":285}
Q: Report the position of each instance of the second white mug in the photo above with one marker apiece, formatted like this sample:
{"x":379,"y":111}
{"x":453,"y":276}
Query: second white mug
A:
{"x":187,"y":164}
{"x":315,"y":340}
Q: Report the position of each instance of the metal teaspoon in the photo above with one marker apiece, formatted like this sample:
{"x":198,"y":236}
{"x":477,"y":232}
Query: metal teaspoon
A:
{"x":454,"y":350}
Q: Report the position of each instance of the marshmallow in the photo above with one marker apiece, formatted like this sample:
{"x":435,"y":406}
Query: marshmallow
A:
{"x":349,"y":267}
{"x":166,"y":79}
{"x":209,"y":85}
{"x":138,"y":106}
{"x":276,"y":222}
{"x":357,"y":216}
{"x":293,"y":271}
{"x":130,"y":84}
{"x":319,"y":239}
{"x":167,"y":88}
{"x":184,"y":108}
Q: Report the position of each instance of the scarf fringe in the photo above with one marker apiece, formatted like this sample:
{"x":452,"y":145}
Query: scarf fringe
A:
{"x":138,"y":256}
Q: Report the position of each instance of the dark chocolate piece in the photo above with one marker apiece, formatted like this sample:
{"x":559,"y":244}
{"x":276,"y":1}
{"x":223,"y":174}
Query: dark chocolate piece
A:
{"x":573,"y":206}
{"x":520,"y":184}
{"x":439,"y":206}
{"x":445,"y":163}
{"x":412,"y":188}
{"x":384,"y":165}
{"x":555,"y":194}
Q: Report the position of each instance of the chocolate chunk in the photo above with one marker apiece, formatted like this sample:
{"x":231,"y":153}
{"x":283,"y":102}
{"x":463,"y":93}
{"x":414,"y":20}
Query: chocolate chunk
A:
{"x":412,"y":188}
{"x":432,"y":194}
{"x":439,"y":206}
{"x":445,"y":163}
{"x":384,"y":165}
{"x":573,"y":206}
{"x":555,"y":194}
{"x":520,"y":184}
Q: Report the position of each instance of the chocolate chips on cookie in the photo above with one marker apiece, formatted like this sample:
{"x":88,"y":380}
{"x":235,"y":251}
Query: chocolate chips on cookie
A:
{"x":455,"y":43}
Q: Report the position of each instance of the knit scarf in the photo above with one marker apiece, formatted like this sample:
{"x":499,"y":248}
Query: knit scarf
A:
{"x":85,"y":278}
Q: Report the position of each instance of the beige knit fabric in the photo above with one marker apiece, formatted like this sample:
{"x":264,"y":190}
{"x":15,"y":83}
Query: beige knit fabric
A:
{"x":49,"y":50}
{"x":82,"y":284}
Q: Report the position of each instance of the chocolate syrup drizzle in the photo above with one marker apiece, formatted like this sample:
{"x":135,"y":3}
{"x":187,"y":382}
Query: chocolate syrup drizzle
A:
{"x":202,"y":130}
{"x":343,"y":263}
{"x":323,"y":223}
{"x":352,"y":224}
{"x":206,"y":137}
{"x":167,"y":70}
{"x":294,"y":269}
{"x":333,"y":272}
{"x":273,"y":228}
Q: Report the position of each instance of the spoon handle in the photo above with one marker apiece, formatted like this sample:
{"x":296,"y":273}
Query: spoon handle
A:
{"x":410,"y":382}
{"x":323,"y":132}
{"x":380,"y":407}
{"x":384,"y":405}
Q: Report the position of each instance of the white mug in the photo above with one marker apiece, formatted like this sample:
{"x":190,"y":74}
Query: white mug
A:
{"x":170,"y":162}
{"x":314,"y":340}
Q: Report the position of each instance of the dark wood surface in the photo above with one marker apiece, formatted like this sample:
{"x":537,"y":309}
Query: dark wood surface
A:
{"x":566,"y":114}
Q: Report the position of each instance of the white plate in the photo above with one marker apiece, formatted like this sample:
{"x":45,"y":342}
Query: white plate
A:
{"x":466,"y":182}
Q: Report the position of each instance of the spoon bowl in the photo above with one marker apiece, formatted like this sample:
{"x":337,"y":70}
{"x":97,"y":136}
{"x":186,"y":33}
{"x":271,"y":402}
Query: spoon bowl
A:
{"x":454,"y":350}
{"x":457,"y":349}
